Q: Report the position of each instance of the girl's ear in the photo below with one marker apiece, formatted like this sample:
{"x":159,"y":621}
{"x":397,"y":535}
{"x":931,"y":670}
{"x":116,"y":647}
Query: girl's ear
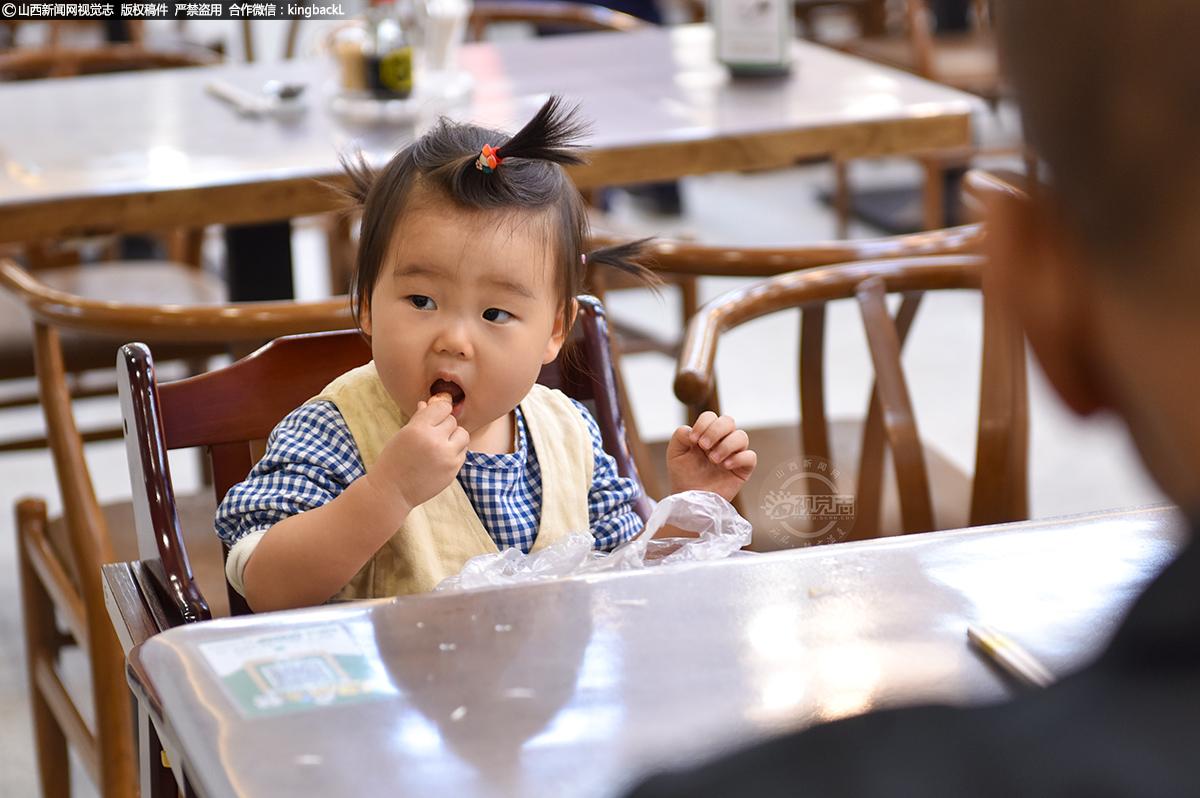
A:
{"x":364,"y":318}
{"x":558,"y":335}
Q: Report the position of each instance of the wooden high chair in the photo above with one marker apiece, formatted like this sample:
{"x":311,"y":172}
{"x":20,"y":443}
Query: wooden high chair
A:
{"x":231,"y":411}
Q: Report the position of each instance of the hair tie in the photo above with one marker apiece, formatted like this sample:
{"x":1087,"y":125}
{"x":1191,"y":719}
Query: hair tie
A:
{"x":487,"y":160}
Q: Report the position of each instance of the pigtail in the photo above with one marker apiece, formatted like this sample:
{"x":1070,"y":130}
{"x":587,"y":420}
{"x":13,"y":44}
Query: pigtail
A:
{"x":498,"y":172}
{"x":358,"y":178}
{"x":552,"y":135}
{"x":632,"y":258}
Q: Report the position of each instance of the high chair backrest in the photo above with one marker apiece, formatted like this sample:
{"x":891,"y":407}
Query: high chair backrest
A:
{"x":231,"y":411}
{"x":998,"y":492}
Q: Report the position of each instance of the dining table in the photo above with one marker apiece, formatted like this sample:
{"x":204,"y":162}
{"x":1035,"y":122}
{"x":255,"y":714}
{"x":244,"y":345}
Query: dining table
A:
{"x":142,"y":151}
{"x":582,"y":685}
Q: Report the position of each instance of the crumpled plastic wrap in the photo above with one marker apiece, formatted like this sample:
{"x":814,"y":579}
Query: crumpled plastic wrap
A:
{"x":722,"y":533}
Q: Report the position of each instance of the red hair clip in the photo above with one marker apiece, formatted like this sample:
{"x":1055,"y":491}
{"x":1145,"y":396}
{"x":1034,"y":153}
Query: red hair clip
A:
{"x":487,"y":160}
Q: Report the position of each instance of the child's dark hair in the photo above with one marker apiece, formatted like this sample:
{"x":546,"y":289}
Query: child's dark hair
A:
{"x":447,"y":161}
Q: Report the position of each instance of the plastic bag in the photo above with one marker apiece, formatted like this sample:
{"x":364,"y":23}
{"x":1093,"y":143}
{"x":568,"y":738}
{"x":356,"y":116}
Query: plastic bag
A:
{"x":722,"y":532}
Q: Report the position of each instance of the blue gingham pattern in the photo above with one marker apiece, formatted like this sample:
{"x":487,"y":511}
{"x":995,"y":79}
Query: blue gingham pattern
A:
{"x":311,"y":458}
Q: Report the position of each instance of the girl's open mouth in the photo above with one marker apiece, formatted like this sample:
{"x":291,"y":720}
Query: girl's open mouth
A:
{"x":448,"y":387}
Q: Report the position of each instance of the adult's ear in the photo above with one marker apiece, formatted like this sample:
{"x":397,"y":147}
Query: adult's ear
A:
{"x":1042,"y":278}
{"x":558,"y":335}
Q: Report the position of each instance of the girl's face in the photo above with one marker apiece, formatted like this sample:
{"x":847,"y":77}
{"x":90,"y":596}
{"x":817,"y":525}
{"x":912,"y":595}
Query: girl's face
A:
{"x":465,"y":303}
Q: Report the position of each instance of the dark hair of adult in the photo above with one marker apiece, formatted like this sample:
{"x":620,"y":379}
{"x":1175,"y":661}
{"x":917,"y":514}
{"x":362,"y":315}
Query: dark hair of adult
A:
{"x":1110,"y":100}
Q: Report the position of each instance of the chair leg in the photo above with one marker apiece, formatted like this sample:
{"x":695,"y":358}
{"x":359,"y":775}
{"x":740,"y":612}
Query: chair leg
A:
{"x":934,"y":194}
{"x":341,"y":250}
{"x":186,"y":245}
{"x":42,"y":641}
{"x":157,"y":779}
{"x":642,"y":459}
{"x":841,"y":198}
{"x":114,"y":725}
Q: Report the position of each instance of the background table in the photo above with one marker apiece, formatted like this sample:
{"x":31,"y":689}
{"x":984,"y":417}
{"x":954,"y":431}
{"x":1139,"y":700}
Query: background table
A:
{"x":141,"y":151}
{"x":579,"y":686}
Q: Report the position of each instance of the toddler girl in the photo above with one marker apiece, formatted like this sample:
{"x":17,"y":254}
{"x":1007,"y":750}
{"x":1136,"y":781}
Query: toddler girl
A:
{"x":444,"y":447}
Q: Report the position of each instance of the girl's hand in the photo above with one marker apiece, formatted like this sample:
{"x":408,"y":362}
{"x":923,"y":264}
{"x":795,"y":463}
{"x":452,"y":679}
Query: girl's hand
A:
{"x":308,"y":557}
{"x":423,"y":457}
{"x":710,"y":455}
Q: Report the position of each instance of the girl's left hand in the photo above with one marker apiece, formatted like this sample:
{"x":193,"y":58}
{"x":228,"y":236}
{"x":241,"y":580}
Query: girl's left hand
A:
{"x":710,"y":455}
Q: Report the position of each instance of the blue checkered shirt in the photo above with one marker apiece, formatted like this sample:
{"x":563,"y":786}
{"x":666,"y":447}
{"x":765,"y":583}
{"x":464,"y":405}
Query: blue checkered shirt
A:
{"x":311,"y":458}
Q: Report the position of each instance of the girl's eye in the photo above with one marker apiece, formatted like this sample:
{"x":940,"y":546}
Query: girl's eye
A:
{"x":422,"y":302}
{"x":496,"y":314}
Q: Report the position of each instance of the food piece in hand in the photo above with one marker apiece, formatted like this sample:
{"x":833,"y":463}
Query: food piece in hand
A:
{"x":441,"y":397}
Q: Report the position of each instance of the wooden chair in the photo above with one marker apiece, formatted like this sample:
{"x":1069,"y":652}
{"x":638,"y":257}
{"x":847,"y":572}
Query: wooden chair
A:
{"x":177,"y":279}
{"x":60,"y":559}
{"x":681,"y":262}
{"x":966,"y":60}
{"x":997,"y":491}
{"x":86,"y":356}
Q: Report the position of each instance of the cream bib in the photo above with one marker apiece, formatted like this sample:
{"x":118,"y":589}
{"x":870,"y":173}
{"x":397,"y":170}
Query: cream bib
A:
{"x":440,"y":535}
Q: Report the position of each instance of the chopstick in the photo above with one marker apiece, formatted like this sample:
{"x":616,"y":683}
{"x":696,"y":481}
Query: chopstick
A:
{"x":1010,"y":656}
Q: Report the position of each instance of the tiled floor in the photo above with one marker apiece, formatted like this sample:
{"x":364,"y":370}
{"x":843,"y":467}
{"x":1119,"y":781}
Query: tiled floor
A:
{"x":1075,"y":465}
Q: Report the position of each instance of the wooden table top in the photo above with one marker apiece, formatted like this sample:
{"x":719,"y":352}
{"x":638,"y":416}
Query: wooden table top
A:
{"x":136,"y":151}
{"x":580,"y":686}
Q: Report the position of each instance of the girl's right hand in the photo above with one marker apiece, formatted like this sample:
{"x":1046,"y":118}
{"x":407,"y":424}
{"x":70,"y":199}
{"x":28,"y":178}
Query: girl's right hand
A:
{"x":423,"y":457}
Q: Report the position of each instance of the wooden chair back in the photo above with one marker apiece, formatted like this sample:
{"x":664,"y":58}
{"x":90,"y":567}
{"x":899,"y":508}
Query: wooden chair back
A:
{"x":289,"y":43}
{"x":998,"y":489}
{"x":715,"y":260}
{"x":966,"y":60}
{"x":231,"y":412}
{"x":59,"y":62}
{"x":681,"y":262}
{"x":60,"y":560}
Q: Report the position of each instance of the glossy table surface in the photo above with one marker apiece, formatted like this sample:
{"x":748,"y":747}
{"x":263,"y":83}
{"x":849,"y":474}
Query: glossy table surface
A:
{"x":579,"y":686}
{"x":153,"y":149}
